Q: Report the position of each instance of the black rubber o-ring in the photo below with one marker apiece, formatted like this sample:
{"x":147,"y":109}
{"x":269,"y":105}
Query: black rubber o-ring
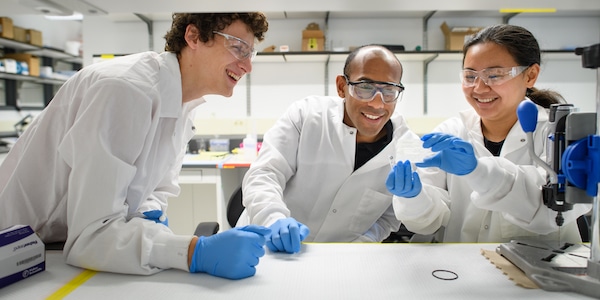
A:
{"x":445,"y":272}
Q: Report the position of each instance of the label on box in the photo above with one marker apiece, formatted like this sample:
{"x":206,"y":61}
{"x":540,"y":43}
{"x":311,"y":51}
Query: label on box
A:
{"x":218,"y":145}
{"x":10,"y":65}
{"x":21,"y":254}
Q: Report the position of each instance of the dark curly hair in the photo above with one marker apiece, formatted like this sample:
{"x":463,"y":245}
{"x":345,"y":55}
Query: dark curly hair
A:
{"x":524,"y":48}
{"x":209,"y":22}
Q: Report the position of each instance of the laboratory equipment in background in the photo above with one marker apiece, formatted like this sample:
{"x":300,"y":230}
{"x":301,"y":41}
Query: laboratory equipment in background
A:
{"x":218,"y":145}
{"x":21,"y":125}
{"x":573,"y":176}
{"x":249,"y":147}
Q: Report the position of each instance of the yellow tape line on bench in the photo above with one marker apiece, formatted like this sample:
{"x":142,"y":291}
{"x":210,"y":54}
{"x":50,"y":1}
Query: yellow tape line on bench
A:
{"x":72,"y":285}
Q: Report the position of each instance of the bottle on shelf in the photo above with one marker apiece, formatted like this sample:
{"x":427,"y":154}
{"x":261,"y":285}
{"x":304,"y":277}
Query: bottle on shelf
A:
{"x":249,"y":147}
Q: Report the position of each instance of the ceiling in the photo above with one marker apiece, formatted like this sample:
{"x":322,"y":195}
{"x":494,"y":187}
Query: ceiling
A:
{"x":282,"y":9}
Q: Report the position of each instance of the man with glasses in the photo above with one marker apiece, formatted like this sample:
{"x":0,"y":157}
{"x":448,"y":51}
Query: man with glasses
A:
{"x":95,"y":169}
{"x":320,"y":174}
{"x":238,"y":47}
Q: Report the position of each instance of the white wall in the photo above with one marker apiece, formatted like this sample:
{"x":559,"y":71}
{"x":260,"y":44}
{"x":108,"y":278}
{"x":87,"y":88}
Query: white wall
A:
{"x":275,"y":85}
{"x":104,"y":36}
{"x":55,"y":33}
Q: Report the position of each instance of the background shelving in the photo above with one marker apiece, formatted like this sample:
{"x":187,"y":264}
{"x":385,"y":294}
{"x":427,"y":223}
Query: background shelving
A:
{"x":48,"y":57}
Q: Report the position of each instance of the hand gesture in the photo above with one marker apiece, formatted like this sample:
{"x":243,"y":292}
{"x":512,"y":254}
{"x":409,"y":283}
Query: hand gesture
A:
{"x":454,"y":155}
{"x":286,"y":235}
{"x":402,"y":181}
{"x":230,"y":254}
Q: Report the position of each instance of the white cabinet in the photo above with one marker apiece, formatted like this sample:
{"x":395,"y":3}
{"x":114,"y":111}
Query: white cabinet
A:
{"x":196,"y":203}
{"x":204,"y":196}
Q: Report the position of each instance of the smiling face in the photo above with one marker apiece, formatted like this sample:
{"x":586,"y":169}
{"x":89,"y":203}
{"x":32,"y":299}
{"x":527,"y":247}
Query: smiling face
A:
{"x":496,"y":103}
{"x":369,"y":117}
{"x":210,"y":68}
{"x":229,"y":69}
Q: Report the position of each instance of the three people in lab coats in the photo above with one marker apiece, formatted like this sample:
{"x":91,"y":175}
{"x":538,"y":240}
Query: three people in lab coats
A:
{"x":95,"y":168}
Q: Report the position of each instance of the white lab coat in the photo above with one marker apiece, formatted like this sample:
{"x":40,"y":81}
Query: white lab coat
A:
{"x":305,"y":169}
{"x":106,"y":149}
{"x":499,"y":201}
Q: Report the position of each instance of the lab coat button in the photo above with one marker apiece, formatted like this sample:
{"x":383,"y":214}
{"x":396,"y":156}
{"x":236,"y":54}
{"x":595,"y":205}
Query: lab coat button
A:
{"x":486,"y":227}
{"x":334,"y":210}
{"x":523,"y":140}
{"x":351,"y":131}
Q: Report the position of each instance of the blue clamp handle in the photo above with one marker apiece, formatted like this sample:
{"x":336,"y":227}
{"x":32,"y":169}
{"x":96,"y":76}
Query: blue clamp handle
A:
{"x":527,"y":113}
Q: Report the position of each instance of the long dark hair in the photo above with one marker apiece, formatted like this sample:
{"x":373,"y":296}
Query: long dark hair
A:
{"x":524,"y":48}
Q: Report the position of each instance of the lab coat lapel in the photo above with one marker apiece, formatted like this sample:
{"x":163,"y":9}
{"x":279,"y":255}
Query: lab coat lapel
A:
{"x":169,"y":86}
{"x":346,"y":135}
{"x":172,"y":100}
{"x":515,"y":140}
{"x":473,"y":121}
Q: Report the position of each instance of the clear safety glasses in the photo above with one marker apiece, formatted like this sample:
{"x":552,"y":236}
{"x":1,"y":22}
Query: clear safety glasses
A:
{"x":238,"y":47}
{"x":490,"y":76}
{"x":365,"y":90}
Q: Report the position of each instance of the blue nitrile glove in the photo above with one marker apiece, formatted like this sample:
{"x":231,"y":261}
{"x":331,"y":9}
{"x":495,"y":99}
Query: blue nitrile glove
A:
{"x":455,"y":155}
{"x":286,"y":235}
{"x":230,"y":254}
{"x":157,"y":216}
{"x":402,"y":181}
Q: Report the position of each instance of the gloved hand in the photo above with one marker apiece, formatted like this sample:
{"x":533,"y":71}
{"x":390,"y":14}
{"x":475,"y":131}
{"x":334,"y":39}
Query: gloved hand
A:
{"x":230,"y":254}
{"x":286,"y":235}
{"x":402,"y":181}
{"x":455,"y":155}
{"x":157,"y":216}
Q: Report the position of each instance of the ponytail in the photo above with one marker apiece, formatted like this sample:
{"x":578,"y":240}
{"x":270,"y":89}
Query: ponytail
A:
{"x":544,"y":97}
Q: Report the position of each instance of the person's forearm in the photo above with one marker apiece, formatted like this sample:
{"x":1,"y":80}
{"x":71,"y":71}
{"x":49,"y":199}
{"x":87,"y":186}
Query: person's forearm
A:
{"x":191,"y":249}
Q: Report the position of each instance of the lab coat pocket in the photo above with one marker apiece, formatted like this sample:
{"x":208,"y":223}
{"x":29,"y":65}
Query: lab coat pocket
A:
{"x":510,"y":231}
{"x":371,"y":207}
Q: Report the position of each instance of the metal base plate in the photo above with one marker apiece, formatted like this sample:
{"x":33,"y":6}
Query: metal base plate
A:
{"x":558,"y":268}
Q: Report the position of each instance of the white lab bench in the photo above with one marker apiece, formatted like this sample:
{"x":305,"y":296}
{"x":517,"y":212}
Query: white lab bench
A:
{"x":319,"y":271}
{"x":206,"y":185}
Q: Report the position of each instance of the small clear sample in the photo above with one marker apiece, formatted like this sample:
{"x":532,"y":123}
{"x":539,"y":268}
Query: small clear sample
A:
{"x":411,"y":149}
